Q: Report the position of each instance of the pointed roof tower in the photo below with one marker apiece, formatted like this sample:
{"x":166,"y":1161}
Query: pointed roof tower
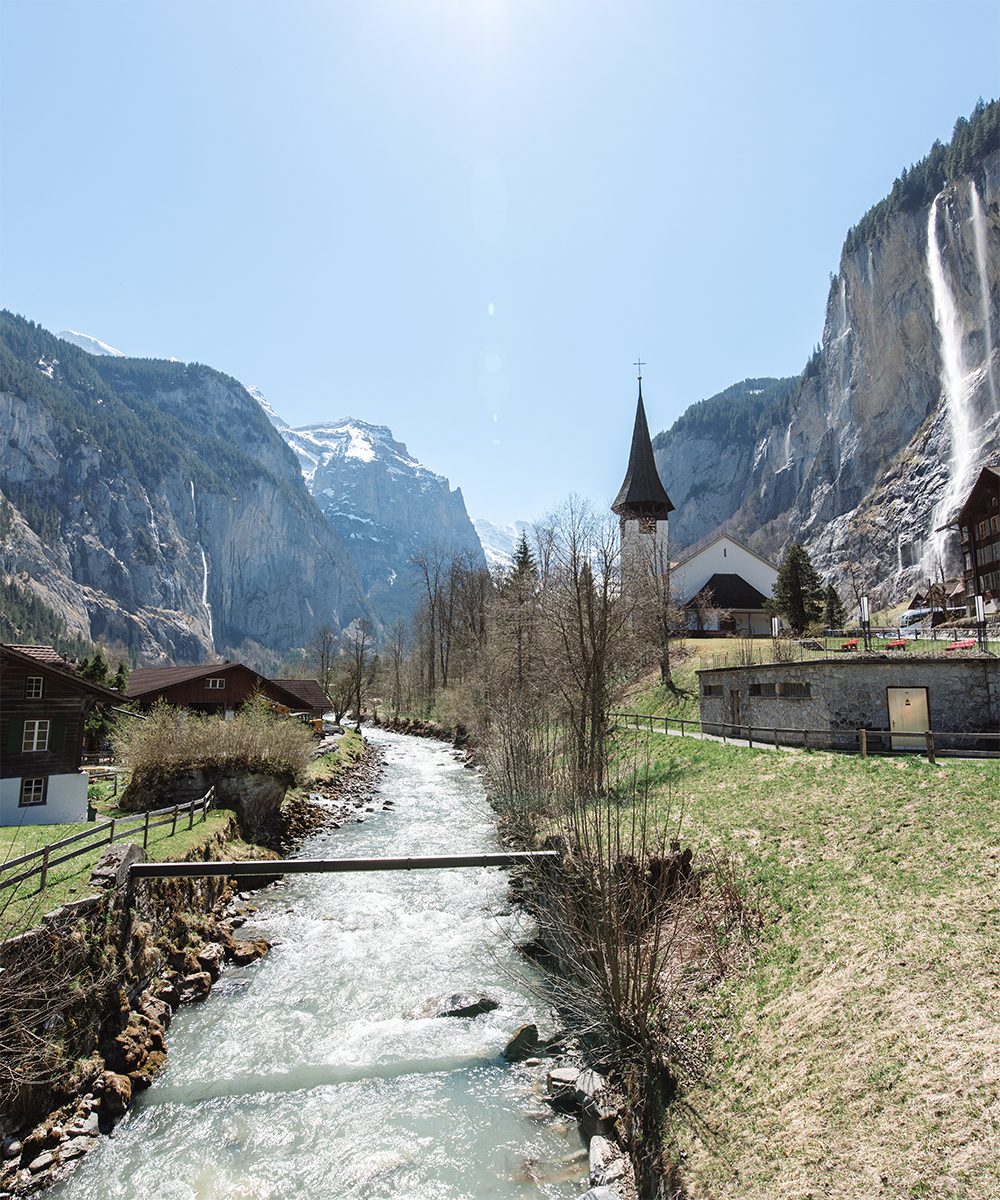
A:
{"x":642,"y":494}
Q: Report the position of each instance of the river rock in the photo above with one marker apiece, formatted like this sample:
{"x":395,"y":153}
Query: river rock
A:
{"x":607,"y":1165}
{"x":210,"y":959}
{"x":599,"y":1193}
{"x":461,"y":1004}
{"x":116,"y":1093}
{"x":197,"y":985}
{"x":562,"y":1089}
{"x":522,"y":1045}
{"x":41,"y":1162}
{"x":245,"y":952}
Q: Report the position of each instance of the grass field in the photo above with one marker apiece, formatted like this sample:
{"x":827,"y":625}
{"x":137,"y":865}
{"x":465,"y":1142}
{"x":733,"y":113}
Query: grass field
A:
{"x":856,"y":1054}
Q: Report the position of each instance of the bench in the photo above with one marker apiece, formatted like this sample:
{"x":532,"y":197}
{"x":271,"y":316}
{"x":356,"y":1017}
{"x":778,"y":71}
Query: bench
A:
{"x":898,"y":644}
{"x":851,"y":645}
{"x":967,"y":644}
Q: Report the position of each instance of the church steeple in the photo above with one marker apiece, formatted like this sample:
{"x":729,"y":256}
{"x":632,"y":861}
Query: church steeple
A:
{"x":642,"y":493}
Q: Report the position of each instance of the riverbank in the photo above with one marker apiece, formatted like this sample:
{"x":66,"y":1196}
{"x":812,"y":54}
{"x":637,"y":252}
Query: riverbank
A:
{"x":319,"y":1071}
{"x":107,"y":972}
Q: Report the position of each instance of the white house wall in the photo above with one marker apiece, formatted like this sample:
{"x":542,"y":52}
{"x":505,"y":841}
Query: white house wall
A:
{"x":65,"y":802}
{"x":722,"y":557}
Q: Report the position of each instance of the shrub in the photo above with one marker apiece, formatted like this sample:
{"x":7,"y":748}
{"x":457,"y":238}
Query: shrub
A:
{"x":171,"y":740}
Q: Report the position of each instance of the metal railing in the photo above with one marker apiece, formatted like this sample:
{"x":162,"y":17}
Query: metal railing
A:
{"x":860,"y":741}
{"x":115,"y":829}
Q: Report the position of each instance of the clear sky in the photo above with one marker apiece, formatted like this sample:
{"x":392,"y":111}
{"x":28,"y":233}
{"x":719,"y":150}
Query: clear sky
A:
{"x":465,"y":218}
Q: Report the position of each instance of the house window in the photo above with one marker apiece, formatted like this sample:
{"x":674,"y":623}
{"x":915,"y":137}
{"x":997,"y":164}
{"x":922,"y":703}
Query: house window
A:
{"x":35,"y":736}
{"x":793,"y":688}
{"x":215,"y":683}
{"x":32,"y":792}
{"x":34,"y":687}
{"x":763,"y":689}
{"x":712,"y":689}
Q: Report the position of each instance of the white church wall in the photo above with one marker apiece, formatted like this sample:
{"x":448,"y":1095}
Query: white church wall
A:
{"x":723,"y":557}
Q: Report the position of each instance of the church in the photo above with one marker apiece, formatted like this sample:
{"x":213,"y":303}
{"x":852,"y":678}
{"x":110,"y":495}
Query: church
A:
{"x":722,"y":584}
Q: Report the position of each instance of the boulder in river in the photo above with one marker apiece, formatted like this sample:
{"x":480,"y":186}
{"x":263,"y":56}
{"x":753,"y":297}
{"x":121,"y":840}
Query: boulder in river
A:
{"x":523,"y":1044}
{"x":460,"y":1004}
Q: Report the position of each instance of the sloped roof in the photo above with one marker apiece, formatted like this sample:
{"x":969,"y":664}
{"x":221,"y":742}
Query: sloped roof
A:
{"x":45,"y":654}
{"x":706,"y":543}
{"x":307,"y":691}
{"x":54,"y":664}
{"x":144,"y":680}
{"x":733,"y":592}
{"x":642,"y":493}
{"x":988,"y":483}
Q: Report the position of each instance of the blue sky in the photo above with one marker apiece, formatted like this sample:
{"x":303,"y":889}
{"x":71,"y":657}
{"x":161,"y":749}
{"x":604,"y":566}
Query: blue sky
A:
{"x":464,"y":218}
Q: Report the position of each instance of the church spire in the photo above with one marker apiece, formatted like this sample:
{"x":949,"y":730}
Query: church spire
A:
{"x":642,"y":494}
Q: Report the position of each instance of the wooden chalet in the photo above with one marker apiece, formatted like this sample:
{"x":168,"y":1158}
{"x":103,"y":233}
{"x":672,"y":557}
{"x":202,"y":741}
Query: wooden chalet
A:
{"x":213,"y":687}
{"x":309,"y":692}
{"x":43,"y":705}
{"x":979,"y":530}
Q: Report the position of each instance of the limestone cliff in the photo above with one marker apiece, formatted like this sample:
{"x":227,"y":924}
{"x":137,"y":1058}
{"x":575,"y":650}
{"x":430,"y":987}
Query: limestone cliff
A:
{"x":868,"y":456}
{"x":151,"y":503}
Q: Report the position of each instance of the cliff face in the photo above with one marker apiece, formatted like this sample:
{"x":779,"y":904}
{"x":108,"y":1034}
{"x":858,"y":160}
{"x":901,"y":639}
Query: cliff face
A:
{"x":152,"y":503}
{"x":385,"y":506}
{"x":875,"y":448}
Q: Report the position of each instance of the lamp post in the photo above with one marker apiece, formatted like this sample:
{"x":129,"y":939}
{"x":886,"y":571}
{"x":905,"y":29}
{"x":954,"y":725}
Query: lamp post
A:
{"x":866,"y":622}
{"x":981,"y":621}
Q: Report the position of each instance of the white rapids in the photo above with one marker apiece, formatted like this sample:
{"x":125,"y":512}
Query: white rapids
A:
{"x":303,"y":1076}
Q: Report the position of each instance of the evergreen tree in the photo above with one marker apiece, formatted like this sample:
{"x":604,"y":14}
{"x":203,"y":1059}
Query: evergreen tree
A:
{"x":798,"y":592}
{"x":834,"y":613}
{"x":524,"y":561}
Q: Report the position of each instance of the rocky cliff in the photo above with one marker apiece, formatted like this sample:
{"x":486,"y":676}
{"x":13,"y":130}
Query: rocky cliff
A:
{"x":385,"y":506}
{"x":152,"y":503}
{"x":868,"y":455}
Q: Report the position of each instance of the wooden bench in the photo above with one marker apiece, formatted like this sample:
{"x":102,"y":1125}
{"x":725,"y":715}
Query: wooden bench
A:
{"x":898,"y":644}
{"x":851,"y":645}
{"x":967,"y":644}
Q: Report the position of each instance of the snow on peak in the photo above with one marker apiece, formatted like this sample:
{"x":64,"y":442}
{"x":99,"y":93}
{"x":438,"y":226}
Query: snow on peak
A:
{"x":269,"y":412}
{"x":351,"y":440}
{"x":91,"y":344}
{"x":500,"y":541}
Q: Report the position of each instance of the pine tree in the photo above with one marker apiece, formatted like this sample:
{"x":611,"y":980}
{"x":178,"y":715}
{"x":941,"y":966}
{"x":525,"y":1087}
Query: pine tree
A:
{"x":834,"y":613}
{"x":798,"y":591}
{"x":524,"y":561}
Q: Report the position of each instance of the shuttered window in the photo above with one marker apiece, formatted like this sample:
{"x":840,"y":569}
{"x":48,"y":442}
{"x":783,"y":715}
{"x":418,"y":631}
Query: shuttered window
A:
{"x":36,"y":735}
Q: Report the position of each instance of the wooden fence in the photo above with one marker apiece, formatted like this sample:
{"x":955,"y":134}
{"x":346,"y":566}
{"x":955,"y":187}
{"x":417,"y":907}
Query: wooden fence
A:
{"x":860,"y":741}
{"x":115,"y":829}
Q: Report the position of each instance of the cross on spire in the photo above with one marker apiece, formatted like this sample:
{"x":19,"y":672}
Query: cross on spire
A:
{"x":640,"y":364}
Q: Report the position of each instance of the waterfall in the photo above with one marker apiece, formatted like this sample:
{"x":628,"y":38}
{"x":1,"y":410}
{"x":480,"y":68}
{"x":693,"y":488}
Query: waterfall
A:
{"x":843,"y":304}
{"x":979,"y":236}
{"x":204,"y":570}
{"x":955,"y":388}
{"x":788,"y":443}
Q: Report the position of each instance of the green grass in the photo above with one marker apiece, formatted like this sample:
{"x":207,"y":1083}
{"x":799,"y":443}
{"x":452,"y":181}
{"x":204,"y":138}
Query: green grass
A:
{"x":856,"y":1052}
{"x":24,"y":905}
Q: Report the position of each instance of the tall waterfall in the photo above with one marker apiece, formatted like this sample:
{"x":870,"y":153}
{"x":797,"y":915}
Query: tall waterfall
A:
{"x":955,"y":388}
{"x":204,"y":570}
{"x":979,"y":236}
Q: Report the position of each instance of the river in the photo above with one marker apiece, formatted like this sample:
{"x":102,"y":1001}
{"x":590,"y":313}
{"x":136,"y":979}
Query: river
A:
{"x":303,"y":1075}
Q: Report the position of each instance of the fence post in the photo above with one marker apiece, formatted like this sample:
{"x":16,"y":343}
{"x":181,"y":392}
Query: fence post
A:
{"x":749,"y":737}
{"x":863,"y":742}
{"x":805,"y":739}
{"x":145,"y":831}
{"x":776,"y":742}
{"x":45,"y":869}
{"x":929,"y":738}
{"x":191,"y":815}
{"x":173,"y":827}
{"x":111,"y":834}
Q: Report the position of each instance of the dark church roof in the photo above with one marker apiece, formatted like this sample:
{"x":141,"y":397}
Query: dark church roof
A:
{"x":733,"y":592}
{"x":642,"y":494}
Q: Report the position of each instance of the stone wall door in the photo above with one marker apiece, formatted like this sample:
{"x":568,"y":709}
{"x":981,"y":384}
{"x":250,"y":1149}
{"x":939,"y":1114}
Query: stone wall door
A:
{"x":734,"y":711}
{"x":909,"y":717}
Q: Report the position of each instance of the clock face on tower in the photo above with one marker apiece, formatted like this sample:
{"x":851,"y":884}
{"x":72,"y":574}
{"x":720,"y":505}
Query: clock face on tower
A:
{"x":647,"y":525}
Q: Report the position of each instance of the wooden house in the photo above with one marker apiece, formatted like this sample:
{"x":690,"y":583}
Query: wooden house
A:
{"x":979,"y":530}
{"x":213,"y":687}
{"x":43,"y":705}
{"x":310,"y":695}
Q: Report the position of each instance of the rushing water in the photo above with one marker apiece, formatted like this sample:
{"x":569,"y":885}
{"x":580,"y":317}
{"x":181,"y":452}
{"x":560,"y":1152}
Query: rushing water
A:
{"x":303,"y":1075}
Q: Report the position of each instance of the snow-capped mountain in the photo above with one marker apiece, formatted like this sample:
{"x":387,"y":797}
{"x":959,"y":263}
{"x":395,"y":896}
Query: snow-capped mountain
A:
{"x":91,"y":344}
{"x":500,"y":541}
{"x":386,"y":506}
{"x":269,"y":412}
